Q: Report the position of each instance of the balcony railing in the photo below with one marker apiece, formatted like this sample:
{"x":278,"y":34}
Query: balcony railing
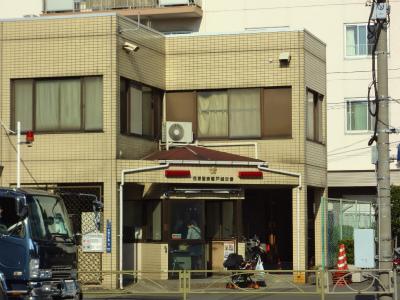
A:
{"x":124,"y":4}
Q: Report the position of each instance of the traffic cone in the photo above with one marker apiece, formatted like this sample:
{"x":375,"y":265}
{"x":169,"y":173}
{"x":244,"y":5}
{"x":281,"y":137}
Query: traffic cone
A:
{"x":339,"y":278}
{"x":342,"y":258}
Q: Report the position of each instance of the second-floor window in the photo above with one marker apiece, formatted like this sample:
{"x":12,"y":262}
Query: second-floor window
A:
{"x":314,"y":116}
{"x":358,"y":118}
{"x":58,"y":105}
{"x":357,"y":41}
{"x":140,"y":109}
{"x":234,"y":113}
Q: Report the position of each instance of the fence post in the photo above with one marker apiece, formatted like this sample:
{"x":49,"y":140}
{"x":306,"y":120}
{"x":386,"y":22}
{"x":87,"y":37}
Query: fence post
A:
{"x":183,"y":276}
{"x":321,"y":276}
{"x":395,"y":284}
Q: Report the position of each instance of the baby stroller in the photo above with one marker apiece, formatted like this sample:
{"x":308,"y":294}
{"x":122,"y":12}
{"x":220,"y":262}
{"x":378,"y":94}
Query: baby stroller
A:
{"x":238,"y":279}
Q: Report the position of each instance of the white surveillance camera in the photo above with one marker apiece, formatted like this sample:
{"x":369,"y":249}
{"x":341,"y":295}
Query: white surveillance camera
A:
{"x":130,"y":47}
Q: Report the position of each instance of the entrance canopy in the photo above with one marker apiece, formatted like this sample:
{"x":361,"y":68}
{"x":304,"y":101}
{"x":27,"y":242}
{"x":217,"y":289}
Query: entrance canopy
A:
{"x":200,"y":155}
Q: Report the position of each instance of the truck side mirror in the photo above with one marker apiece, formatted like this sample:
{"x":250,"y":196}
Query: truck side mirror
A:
{"x":97,"y":205}
{"x":21,"y":206}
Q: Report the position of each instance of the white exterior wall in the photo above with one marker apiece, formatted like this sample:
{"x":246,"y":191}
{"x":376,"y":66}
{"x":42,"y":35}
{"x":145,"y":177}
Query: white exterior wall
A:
{"x":347,"y":78}
{"x":19,"y":8}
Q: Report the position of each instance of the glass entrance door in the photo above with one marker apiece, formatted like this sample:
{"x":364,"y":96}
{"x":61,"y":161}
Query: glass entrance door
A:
{"x":195,"y":227}
{"x":186,"y":235}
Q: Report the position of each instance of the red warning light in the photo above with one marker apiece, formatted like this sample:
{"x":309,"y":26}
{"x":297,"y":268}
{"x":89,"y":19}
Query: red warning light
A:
{"x":29,"y":137}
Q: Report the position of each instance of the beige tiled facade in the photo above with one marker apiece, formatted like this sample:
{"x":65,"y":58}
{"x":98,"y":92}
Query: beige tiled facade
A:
{"x":92,"y":45}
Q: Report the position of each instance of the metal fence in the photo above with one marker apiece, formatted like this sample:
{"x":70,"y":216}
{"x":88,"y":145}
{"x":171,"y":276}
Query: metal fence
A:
{"x":122,"y":4}
{"x":80,"y":210}
{"x":185,"y":283}
{"x":342,"y":217}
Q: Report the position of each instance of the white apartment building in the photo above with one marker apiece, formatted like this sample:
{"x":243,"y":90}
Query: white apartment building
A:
{"x":19,"y":8}
{"x":342,"y":26}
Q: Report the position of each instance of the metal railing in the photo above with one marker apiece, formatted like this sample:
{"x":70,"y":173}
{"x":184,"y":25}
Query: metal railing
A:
{"x":252,"y":282}
{"x":365,"y":282}
{"x":122,"y":4}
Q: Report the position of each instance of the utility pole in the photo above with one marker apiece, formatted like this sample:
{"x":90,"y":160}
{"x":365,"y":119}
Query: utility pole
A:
{"x":383,"y":179}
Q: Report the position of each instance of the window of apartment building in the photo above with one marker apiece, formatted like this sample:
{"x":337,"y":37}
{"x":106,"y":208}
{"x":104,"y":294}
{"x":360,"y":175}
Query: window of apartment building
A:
{"x":234,"y":113}
{"x":357,"y":41}
{"x":358,"y":117}
{"x":140,"y":110}
{"x":142,"y":220}
{"x":314,"y":116}
{"x":57,"y":105}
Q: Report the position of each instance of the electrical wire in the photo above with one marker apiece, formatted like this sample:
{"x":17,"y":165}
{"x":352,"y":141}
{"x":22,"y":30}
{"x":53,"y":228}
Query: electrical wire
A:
{"x":357,"y":149}
{"x":15,"y":149}
{"x":347,"y":146}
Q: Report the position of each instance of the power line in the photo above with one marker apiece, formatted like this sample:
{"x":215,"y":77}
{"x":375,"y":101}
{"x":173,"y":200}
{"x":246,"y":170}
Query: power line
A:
{"x":15,"y":149}
{"x":347,"y":146}
{"x":357,"y":149}
{"x":357,"y":71}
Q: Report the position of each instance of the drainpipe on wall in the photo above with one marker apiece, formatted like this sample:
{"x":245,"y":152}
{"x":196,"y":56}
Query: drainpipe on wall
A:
{"x":121,"y":216}
{"x":299,"y":187}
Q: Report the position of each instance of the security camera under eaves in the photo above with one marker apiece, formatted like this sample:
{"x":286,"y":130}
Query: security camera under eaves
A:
{"x":130,"y":47}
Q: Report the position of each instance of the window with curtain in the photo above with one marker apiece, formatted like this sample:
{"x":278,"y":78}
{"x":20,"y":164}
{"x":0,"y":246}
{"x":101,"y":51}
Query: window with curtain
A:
{"x":357,"y":41}
{"x":244,"y":113}
{"x":140,"y":109}
{"x":358,"y":117}
{"x":314,"y":116}
{"x":234,"y":113}
{"x":212,"y":109}
{"x":56,"y":105}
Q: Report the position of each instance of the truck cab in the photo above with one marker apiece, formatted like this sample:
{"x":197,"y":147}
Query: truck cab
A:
{"x":38,"y":253}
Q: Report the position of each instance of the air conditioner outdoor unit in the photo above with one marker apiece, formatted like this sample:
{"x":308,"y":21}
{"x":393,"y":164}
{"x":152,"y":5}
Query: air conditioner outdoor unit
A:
{"x":177,"y":132}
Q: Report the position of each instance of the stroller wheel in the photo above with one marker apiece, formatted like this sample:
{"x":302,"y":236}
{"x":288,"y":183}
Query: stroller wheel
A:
{"x":254,"y":285}
{"x":230,"y":285}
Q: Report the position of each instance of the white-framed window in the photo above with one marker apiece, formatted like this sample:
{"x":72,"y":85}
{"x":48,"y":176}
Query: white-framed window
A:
{"x":357,"y":42}
{"x":358,"y":118}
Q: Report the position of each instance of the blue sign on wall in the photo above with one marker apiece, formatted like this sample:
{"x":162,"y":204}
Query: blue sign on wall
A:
{"x":108,"y":236}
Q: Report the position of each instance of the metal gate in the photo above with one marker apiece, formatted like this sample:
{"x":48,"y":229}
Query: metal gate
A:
{"x":80,"y":210}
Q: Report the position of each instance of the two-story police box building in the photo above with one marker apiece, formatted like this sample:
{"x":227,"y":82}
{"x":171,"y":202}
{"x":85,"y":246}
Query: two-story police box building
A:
{"x":223,"y":132}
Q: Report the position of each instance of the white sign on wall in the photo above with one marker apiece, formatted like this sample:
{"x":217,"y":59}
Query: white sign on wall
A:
{"x":92,"y":242}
